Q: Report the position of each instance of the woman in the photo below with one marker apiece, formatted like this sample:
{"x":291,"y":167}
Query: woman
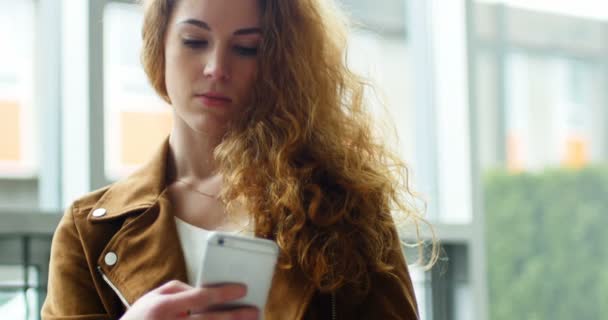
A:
{"x":270,"y":136}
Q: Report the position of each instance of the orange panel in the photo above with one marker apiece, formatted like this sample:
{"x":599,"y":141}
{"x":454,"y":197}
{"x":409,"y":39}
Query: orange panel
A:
{"x":142,"y":132}
{"x":576,"y":153}
{"x":514,"y":154}
{"x":10,"y":136}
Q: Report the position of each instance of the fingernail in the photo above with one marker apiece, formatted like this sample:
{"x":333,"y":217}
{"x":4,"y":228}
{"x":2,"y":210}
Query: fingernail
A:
{"x":241,"y":290}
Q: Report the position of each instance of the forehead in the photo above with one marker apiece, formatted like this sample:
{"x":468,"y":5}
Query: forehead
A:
{"x":220,"y":15}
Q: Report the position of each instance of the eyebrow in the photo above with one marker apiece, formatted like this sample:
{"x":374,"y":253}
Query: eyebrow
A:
{"x":204,"y":25}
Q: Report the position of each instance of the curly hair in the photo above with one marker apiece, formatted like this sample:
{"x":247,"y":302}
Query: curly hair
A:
{"x":304,"y":156}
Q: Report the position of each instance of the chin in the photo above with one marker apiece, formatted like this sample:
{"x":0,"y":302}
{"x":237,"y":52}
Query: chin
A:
{"x":207,"y":124}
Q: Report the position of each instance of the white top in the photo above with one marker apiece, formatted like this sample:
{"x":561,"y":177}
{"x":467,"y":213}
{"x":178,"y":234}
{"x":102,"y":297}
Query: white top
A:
{"x":192,"y":240}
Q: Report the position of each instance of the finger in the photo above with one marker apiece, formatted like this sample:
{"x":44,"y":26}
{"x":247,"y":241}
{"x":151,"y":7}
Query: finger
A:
{"x":202,"y":298}
{"x":173,"y":286}
{"x":240,"y":314}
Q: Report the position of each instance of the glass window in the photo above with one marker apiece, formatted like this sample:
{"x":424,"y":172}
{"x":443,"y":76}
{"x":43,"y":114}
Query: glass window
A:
{"x":384,"y":60}
{"x":17,"y":156}
{"x":136,"y":119}
{"x":550,"y":112}
{"x":19,"y":300}
{"x":542,"y":107}
{"x":422,"y":288}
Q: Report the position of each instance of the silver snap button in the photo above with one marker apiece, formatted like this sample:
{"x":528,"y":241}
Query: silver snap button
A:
{"x":99,"y":212}
{"x":110,"y":259}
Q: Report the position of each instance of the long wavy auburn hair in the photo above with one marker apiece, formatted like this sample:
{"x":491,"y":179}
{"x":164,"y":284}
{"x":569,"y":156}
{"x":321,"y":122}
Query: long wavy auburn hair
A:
{"x":304,"y":156}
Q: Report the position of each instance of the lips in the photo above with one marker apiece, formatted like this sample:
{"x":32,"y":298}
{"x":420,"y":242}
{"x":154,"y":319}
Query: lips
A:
{"x":214,"y":100}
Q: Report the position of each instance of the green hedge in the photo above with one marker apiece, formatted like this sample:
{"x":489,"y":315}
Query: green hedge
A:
{"x":547,"y":244}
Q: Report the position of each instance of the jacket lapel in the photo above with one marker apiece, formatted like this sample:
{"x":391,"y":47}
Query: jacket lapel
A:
{"x":144,"y":254}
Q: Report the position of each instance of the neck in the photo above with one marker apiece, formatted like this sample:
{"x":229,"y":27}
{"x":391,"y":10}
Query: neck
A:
{"x":191,"y":154}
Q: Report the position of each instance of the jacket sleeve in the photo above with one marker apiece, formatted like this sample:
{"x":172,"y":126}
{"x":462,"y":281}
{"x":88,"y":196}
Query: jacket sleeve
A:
{"x":71,"y":293}
{"x":391,"y":296}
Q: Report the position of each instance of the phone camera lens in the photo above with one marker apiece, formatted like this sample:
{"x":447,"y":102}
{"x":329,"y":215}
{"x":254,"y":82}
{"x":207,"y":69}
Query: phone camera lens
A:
{"x":220,"y":241}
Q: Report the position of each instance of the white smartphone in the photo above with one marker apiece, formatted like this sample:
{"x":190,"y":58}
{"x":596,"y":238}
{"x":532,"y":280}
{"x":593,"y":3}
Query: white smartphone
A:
{"x":230,"y":258}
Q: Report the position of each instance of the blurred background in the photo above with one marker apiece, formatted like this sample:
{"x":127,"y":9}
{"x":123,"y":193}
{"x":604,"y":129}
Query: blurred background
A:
{"x":500,"y":106}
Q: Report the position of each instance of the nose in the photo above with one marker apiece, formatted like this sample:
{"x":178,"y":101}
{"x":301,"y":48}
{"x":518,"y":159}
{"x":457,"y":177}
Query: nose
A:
{"x":217,"y":67}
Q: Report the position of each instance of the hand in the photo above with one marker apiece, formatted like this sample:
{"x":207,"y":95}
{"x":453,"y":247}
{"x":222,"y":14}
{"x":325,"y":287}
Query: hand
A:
{"x":175,"y":299}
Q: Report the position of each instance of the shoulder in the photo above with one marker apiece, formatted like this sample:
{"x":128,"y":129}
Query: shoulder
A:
{"x":138,"y":190}
{"x":85,"y":203}
{"x":71,"y":223}
{"x":80,"y":230}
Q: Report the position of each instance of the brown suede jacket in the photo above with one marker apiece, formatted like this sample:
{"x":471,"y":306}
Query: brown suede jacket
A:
{"x":116,"y":244}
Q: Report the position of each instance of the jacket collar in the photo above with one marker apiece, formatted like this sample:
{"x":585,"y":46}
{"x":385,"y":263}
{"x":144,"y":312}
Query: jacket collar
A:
{"x":139,"y":190}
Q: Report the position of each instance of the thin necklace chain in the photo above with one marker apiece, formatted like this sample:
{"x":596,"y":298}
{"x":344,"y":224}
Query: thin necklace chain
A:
{"x":193,"y":188}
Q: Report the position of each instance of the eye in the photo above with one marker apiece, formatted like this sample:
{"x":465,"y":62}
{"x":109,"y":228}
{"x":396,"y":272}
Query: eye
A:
{"x":246,"y":51}
{"x":195,"y":44}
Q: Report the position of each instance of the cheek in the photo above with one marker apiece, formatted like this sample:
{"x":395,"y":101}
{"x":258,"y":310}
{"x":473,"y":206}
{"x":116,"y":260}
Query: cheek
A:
{"x":248,"y":73}
{"x":172,"y":84}
{"x":171,"y":71}
{"x":178,"y":72}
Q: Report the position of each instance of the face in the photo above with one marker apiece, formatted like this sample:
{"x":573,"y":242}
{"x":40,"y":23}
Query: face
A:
{"x":211,"y":60}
